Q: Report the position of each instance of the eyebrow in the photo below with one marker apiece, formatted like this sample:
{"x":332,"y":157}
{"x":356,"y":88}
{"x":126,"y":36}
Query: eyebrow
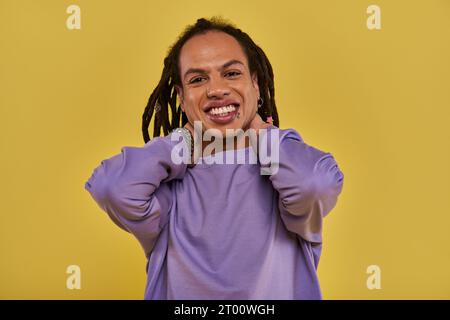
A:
{"x":225,"y":65}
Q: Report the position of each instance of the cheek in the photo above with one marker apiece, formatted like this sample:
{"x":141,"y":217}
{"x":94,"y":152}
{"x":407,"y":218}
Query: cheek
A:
{"x":193,"y":98}
{"x":192,"y":102}
{"x":188,"y":98}
{"x":251,"y":100}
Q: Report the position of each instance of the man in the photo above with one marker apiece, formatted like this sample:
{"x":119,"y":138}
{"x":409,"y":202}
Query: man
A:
{"x":220,"y":230}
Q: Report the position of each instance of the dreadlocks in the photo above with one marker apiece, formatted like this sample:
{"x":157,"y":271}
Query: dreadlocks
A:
{"x":164,"y":96}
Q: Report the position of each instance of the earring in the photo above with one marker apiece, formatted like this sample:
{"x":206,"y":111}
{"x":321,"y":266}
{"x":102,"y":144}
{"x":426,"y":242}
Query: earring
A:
{"x":260,"y":102}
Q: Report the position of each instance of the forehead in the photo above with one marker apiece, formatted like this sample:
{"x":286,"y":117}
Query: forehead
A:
{"x":211,"y":49}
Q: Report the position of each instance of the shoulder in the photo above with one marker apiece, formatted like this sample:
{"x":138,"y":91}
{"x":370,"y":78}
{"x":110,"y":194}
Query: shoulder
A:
{"x":169,"y":140}
{"x":283,"y":134}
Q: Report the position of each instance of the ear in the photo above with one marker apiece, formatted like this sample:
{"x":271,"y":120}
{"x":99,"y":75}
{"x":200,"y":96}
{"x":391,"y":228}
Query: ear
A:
{"x":180,"y":95}
{"x":255,"y":82}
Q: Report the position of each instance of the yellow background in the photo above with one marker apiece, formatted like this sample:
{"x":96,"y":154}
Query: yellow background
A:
{"x":378,"y":100}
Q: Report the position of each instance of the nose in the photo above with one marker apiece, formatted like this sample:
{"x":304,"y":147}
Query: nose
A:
{"x":217,"y":88}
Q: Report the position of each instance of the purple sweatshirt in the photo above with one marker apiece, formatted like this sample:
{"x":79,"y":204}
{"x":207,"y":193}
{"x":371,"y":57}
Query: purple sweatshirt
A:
{"x":223,"y":231}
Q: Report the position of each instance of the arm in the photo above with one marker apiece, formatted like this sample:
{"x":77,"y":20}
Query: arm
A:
{"x":130,"y":187}
{"x":308,"y":181}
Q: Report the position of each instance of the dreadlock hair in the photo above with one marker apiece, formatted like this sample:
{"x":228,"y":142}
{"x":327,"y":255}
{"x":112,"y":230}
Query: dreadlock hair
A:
{"x":164,"y":96}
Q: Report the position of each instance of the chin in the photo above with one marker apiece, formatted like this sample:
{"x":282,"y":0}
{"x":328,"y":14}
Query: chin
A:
{"x":233,"y":125}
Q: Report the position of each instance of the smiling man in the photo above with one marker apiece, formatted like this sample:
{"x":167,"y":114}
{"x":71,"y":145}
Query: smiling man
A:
{"x":220,"y":231}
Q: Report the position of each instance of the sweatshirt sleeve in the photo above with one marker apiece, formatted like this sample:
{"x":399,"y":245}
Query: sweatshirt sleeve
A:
{"x":131,"y":187}
{"x":308,"y":182}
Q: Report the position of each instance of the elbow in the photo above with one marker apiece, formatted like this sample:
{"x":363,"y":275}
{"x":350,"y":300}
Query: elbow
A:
{"x":321,"y":188}
{"x":328,"y":183}
{"x":304,"y":207}
{"x":97,"y":187}
{"x":329,"y":179}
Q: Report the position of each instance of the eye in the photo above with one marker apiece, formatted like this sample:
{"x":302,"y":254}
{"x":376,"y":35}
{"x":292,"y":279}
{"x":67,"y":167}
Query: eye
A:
{"x":194,"y":80}
{"x":233,"y":73}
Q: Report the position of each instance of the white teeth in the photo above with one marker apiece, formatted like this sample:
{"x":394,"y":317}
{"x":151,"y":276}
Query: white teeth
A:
{"x":223,"y":110}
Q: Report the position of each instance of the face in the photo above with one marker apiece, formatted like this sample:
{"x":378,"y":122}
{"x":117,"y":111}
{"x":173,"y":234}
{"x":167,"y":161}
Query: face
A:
{"x":217,"y":87}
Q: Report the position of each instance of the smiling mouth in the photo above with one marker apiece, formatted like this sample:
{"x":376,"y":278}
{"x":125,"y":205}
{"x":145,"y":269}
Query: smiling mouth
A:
{"x":223,"y":115}
{"x":222,"y":111}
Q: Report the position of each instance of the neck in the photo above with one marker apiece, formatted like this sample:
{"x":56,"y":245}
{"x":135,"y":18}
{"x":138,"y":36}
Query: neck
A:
{"x":231,"y":143}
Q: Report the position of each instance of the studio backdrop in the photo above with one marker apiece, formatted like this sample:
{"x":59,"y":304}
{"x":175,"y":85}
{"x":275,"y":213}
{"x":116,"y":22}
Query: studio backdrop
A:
{"x":368,"y":81}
